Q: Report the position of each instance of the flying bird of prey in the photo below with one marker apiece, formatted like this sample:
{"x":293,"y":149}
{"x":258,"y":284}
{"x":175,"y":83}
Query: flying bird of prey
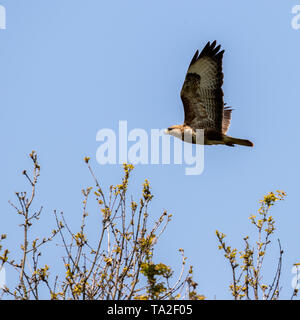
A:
{"x":202,"y":98}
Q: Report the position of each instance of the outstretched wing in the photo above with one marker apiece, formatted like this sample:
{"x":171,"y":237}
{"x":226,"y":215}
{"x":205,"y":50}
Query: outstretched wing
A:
{"x":202,"y":94}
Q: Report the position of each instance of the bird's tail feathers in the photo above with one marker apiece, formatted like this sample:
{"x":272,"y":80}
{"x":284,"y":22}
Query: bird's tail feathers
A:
{"x":230,"y":141}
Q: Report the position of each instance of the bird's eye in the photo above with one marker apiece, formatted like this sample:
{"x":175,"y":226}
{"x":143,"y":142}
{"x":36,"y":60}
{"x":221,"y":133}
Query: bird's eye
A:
{"x":169,"y":129}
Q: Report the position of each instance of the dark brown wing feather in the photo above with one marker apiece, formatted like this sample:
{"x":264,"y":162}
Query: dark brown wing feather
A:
{"x":202,"y":94}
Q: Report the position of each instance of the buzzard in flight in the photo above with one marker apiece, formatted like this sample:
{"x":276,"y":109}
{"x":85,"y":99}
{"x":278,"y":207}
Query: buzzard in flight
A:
{"x":202,"y":98}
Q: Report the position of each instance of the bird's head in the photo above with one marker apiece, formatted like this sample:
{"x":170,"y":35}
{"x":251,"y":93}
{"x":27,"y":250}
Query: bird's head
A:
{"x":174,"y":131}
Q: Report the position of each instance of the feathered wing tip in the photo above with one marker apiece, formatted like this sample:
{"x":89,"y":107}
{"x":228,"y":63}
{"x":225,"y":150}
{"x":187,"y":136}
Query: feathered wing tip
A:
{"x":210,"y":50}
{"x":195,"y":58}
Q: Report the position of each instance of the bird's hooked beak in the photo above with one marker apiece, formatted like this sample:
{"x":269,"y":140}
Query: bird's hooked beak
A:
{"x":167,"y":131}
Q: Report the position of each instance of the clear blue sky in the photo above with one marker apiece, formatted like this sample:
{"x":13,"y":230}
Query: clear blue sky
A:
{"x":69,"y":68}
